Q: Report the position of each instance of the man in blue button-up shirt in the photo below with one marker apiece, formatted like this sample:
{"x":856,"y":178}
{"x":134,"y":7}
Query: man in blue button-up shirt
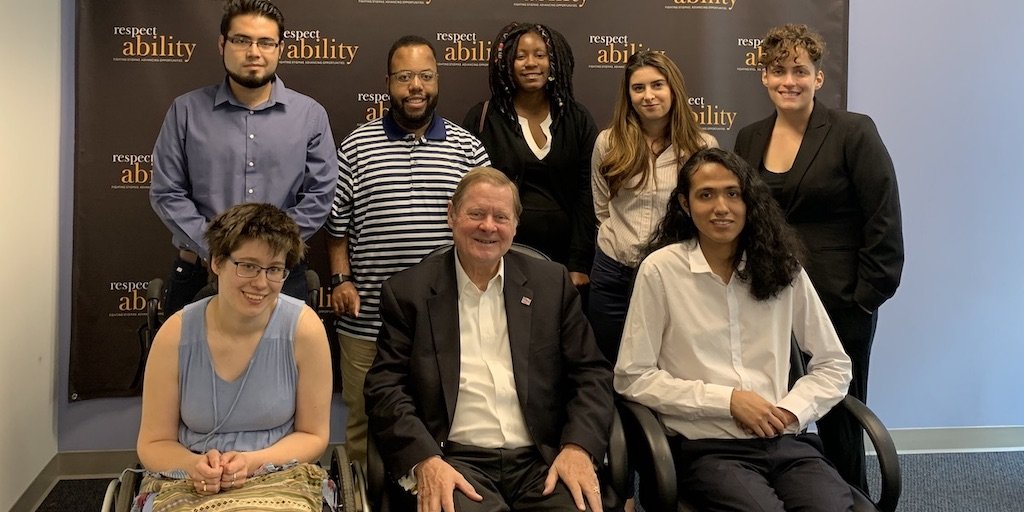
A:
{"x":247,"y":139}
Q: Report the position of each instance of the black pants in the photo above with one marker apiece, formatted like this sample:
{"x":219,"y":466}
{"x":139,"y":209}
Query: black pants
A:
{"x":611,"y":284}
{"x":840,"y":432}
{"x":784,"y":473}
{"x":188,"y":279}
{"x":510,"y":480}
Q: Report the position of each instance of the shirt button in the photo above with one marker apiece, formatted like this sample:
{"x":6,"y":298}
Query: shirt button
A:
{"x":250,"y":191}
{"x":252,"y":136}
{"x":251,"y":112}
{"x":251,"y":164}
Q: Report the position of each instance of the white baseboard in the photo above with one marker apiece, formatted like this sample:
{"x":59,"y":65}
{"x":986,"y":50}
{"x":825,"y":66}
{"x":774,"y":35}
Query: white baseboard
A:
{"x":956,"y":439}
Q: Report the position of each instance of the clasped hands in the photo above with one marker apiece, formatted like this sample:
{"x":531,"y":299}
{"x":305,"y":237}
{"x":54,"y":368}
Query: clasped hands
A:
{"x":436,"y":481}
{"x":215,"y":472}
{"x":757,"y":416}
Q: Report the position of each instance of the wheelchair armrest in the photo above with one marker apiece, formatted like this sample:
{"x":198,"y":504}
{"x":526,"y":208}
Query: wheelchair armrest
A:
{"x":885,"y":449}
{"x":312,"y":289}
{"x":618,"y":457}
{"x":651,"y":456}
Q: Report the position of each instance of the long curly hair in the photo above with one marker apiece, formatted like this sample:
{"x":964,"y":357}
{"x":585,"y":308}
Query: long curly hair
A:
{"x":771,"y":248}
{"x":628,"y":154}
{"x":503,"y":54}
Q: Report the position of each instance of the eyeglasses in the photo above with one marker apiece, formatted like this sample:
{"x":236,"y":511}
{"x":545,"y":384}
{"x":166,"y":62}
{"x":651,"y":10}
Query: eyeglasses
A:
{"x":244,"y":43}
{"x":251,"y":270}
{"x":405,"y":77}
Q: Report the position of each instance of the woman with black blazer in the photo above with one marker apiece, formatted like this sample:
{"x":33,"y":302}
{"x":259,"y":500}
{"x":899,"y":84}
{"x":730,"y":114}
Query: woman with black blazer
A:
{"x":834,"y":179}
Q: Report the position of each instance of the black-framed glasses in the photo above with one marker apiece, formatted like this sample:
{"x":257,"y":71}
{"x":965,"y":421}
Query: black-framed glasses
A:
{"x":251,"y":270}
{"x":243,"y":43}
{"x":405,"y":77}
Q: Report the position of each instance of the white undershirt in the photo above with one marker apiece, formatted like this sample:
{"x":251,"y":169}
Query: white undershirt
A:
{"x":545,"y":127}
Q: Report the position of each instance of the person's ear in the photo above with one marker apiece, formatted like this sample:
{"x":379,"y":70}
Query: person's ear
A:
{"x":819,"y":79}
{"x":685,"y":204}
{"x":451,"y":215}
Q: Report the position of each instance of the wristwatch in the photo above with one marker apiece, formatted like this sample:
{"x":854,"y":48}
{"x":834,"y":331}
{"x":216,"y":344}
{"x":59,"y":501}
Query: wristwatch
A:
{"x":337,"y":279}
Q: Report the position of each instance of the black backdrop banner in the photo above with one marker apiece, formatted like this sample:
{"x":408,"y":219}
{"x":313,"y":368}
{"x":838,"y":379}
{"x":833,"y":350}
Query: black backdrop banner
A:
{"x":133,"y":57}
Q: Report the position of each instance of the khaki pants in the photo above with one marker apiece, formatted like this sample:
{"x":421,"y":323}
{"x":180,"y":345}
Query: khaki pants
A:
{"x":356,"y":357}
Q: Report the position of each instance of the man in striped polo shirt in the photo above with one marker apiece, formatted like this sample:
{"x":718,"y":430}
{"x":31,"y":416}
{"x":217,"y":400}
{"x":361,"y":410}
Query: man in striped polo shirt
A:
{"x":395,"y":177}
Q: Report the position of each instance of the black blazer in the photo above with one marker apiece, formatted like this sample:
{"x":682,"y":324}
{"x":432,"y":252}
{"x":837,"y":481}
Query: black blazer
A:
{"x":563,"y":382}
{"x":841,"y":197}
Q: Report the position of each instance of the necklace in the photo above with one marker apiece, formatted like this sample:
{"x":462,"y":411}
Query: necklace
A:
{"x":657,"y":146}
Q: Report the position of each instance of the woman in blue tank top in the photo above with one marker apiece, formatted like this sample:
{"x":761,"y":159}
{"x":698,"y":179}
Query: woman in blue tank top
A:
{"x":238,"y":386}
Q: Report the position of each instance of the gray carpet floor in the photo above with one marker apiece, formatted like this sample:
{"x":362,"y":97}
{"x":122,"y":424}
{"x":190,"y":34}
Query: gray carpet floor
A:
{"x":941,"y":482}
{"x":959,"y":482}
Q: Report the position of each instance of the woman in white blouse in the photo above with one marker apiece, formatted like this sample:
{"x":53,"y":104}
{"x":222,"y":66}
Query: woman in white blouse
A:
{"x":633,"y":168}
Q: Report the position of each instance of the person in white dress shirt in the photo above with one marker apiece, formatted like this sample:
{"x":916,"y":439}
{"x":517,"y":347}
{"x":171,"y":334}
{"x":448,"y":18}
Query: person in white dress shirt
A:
{"x":707,"y":346}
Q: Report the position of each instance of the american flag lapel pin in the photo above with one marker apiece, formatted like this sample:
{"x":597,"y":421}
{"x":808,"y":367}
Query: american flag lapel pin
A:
{"x":526,"y":301}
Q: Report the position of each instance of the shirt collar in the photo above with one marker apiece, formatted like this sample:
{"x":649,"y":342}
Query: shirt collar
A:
{"x":224,"y":95}
{"x":698,"y":263}
{"x":436,"y":130}
{"x":462,"y":279}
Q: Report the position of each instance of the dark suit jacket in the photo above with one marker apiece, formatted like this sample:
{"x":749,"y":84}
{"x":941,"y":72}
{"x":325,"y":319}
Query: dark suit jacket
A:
{"x":841,"y":197}
{"x":563,"y":382}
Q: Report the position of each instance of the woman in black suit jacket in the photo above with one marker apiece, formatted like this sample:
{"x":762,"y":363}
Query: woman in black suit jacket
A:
{"x":834,"y":179}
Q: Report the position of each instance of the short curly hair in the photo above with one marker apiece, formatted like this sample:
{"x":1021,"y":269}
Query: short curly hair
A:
{"x":781,"y":40}
{"x":255,"y":221}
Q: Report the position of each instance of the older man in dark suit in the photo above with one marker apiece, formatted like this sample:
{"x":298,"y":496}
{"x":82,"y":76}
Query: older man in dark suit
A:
{"x":488,"y":392}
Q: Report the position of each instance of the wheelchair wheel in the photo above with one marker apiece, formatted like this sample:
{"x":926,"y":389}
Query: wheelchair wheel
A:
{"x":110,"y":496}
{"x":342,"y":468}
{"x":129,"y":488}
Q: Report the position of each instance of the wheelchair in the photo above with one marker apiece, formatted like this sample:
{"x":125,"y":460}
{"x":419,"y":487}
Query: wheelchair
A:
{"x":348,"y":479}
{"x":348,"y":486}
{"x":651,"y":456}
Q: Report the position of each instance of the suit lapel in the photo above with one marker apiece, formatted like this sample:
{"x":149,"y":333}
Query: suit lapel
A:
{"x":759,"y":141}
{"x":443,"y":311}
{"x":814,"y":136}
{"x":518,"y":311}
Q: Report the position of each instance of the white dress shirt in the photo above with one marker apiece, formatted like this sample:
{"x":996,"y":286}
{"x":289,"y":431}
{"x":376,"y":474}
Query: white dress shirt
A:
{"x":690,"y":339}
{"x":487,"y":411}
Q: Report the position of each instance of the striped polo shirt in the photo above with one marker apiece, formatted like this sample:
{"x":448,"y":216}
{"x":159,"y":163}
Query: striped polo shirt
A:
{"x":392,"y":203}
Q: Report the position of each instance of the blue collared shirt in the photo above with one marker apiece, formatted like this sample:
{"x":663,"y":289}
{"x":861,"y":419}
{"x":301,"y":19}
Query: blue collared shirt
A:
{"x":213,"y":152}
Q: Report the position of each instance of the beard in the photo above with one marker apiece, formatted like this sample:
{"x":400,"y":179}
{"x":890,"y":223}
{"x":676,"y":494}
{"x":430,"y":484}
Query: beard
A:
{"x":251,"y":81}
{"x":413,"y":122}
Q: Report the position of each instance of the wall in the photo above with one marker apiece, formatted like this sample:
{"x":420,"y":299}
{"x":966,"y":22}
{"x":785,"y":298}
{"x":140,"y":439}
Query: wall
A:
{"x":30,"y":157}
{"x":941,"y":81}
